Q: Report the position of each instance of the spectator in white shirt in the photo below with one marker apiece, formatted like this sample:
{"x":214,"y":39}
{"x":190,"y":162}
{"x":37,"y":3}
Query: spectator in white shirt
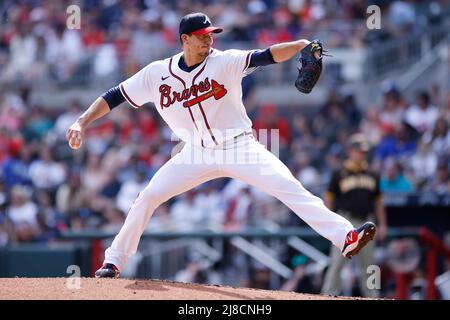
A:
{"x":423,"y":163}
{"x":130,"y":190}
{"x":439,"y":138}
{"x":23,"y":213}
{"x":211,"y":203}
{"x":422,"y":115}
{"x":186,"y":213}
{"x":64,"y":51}
{"x":22,"y":50}
{"x":46,"y":173}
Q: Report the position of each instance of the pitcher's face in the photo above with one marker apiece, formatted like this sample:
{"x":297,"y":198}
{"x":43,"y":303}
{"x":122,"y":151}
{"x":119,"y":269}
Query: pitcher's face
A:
{"x":199,"y":44}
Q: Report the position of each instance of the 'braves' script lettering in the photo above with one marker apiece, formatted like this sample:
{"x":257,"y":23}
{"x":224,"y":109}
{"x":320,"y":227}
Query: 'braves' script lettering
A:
{"x":169,"y":96}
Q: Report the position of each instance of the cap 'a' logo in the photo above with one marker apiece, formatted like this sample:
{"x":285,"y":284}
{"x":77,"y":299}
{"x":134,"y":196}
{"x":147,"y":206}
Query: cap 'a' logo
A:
{"x":207,"y":21}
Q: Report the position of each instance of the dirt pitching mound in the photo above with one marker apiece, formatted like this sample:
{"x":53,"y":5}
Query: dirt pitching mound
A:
{"x":125,"y":289}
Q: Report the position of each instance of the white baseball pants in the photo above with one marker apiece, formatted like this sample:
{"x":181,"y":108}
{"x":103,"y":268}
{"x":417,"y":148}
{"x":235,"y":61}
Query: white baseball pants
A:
{"x":245,"y":159}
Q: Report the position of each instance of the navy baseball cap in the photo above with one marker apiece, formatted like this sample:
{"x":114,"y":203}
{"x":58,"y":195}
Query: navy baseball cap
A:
{"x":197,"y":23}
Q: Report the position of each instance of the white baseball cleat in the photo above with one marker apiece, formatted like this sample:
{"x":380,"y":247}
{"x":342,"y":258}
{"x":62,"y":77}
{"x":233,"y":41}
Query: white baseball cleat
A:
{"x":358,"y":238}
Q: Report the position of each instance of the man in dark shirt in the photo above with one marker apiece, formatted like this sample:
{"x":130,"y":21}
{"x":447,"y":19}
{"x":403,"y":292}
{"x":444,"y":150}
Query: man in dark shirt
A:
{"x":354,"y":193}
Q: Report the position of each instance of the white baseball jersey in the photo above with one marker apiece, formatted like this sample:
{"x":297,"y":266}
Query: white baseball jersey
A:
{"x":203,"y":106}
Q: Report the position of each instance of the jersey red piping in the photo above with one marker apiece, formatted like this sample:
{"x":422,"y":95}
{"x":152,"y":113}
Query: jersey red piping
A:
{"x":201,"y":108}
{"x":122,"y":89}
{"x":174,"y":75}
{"x":247,"y":61}
{"x":184,"y":85}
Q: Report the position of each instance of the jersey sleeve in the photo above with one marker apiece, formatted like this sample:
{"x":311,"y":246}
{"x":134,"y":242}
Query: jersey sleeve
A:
{"x":138,"y":89}
{"x":238,"y":62}
{"x":261,"y":58}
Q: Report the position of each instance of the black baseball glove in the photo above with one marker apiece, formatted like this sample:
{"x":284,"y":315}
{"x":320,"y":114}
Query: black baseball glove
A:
{"x":311,"y":68}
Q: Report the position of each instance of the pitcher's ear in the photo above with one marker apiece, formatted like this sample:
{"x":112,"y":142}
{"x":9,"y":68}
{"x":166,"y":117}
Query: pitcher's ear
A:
{"x":184,"y":37}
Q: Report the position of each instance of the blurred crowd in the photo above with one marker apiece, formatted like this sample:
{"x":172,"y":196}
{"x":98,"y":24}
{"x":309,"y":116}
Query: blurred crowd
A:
{"x":118,"y":37}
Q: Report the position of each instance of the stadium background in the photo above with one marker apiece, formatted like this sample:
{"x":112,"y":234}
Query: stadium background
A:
{"x":391,"y":84}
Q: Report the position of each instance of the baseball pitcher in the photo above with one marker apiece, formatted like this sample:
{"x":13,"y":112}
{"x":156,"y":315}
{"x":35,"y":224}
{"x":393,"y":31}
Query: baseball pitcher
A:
{"x":198,"y":94}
